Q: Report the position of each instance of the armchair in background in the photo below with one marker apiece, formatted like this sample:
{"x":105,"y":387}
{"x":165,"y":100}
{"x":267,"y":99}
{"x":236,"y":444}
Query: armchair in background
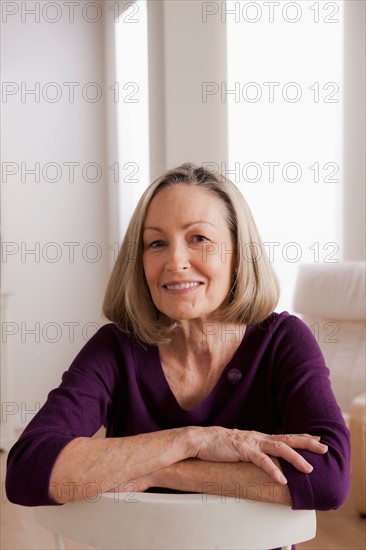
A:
{"x":331,"y":300}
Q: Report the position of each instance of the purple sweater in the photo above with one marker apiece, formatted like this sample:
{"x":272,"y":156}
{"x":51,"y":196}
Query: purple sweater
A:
{"x":277,"y":382}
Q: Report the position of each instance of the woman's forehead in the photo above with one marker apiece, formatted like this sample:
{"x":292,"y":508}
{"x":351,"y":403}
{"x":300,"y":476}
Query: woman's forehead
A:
{"x":186,"y":200}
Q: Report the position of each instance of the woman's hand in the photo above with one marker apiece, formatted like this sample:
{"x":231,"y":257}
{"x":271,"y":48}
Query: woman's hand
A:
{"x":219,"y":444}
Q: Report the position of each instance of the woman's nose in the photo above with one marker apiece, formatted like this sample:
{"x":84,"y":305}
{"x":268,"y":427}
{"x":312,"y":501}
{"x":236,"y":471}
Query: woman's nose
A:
{"x":178,"y":258}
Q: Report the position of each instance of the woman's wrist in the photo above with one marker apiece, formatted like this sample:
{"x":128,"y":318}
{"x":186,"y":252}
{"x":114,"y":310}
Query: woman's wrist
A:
{"x":193,"y":440}
{"x":189,"y":440}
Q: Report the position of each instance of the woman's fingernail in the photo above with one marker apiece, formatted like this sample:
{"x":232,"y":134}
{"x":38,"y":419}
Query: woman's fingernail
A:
{"x":283,"y":480}
{"x":309,"y":467}
{"x":324,"y":447}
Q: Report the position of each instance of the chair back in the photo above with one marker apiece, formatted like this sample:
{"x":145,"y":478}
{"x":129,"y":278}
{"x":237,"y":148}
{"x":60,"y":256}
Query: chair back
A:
{"x":331,"y":300}
{"x":158,"y":521}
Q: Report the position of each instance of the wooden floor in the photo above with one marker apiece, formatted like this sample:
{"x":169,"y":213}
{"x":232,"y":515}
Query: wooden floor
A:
{"x":340,"y":529}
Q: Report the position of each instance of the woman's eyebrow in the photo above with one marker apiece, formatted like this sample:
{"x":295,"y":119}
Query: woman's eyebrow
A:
{"x":185,"y":226}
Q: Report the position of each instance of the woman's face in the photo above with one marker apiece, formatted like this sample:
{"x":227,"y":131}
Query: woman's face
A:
{"x":188,"y":253}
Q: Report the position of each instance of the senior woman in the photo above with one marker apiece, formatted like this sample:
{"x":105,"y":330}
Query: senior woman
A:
{"x":201,"y":386}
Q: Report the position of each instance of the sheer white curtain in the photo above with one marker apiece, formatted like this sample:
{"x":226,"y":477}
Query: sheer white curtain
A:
{"x":284,"y":95}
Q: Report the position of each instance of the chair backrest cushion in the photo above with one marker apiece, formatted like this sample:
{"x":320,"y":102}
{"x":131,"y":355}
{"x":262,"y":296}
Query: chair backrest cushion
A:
{"x":331,"y":291}
{"x":331,"y":300}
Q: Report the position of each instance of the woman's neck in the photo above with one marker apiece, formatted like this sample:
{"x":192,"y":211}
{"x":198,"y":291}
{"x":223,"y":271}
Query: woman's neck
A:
{"x":204,"y":342}
{"x":196,"y":357}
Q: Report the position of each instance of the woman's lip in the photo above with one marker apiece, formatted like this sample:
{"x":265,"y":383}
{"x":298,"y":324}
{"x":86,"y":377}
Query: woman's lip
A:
{"x":182,"y":287}
{"x":188,"y":281}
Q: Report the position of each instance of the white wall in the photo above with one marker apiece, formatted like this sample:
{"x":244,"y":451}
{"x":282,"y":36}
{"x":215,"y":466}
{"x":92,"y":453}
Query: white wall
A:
{"x":194,"y":53}
{"x":354,"y":199}
{"x":43,"y":291}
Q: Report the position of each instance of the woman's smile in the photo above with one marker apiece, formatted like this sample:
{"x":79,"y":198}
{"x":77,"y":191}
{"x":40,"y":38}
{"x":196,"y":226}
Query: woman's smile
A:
{"x":182,"y":287}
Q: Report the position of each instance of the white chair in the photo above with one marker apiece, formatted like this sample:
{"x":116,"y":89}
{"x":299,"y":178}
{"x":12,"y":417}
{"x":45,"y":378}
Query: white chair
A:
{"x":331,"y":300}
{"x":156,"y":521}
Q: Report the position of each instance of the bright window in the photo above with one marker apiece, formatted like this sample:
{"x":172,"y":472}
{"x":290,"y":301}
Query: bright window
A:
{"x":284,"y":97}
{"x":131,"y":96}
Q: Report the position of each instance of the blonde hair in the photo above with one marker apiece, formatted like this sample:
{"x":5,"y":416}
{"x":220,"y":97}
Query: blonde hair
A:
{"x":255,"y":290}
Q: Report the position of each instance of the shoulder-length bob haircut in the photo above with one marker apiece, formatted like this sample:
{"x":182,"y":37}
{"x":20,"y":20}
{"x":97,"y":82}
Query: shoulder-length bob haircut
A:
{"x":254,"y":293}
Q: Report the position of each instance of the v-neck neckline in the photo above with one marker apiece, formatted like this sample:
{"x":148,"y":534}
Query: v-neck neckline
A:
{"x":163,"y":382}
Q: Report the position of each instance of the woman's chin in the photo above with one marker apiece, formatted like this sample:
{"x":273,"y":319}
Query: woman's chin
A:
{"x":181,"y":315}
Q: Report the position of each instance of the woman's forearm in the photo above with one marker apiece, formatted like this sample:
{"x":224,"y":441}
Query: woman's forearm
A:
{"x":240,"y":480}
{"x":88,"y":465}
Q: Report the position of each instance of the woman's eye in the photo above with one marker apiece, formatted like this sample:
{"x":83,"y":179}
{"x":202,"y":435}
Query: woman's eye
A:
{"x":156,"y":244}
{"x":199,"y":238}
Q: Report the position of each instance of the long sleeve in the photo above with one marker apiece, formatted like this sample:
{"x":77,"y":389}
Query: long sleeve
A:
{"x":77,"y":408}
{"x":308,"y":405}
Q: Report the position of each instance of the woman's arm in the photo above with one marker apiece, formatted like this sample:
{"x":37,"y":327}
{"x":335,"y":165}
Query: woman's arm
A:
{"x":307,"y":404}
{"x":239,"y":480}
{"x":90,"y":466}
